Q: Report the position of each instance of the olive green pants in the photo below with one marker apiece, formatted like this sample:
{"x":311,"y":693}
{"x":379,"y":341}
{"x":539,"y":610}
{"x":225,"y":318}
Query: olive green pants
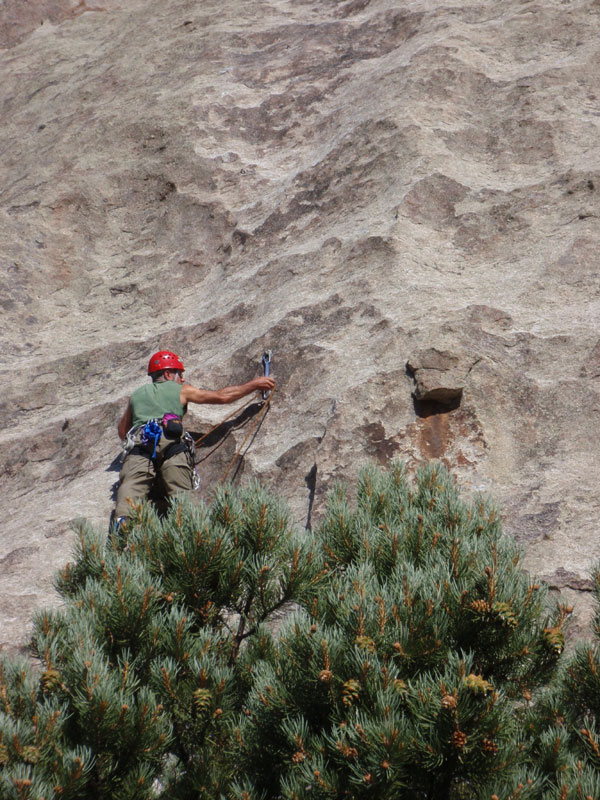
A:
{"x":138,"y":473}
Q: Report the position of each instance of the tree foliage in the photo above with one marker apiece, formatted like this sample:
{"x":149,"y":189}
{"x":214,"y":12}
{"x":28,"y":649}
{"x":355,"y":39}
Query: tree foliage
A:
{"x":405,"y":673}
{"x":139,"y":667}
{"x":399,"y":651}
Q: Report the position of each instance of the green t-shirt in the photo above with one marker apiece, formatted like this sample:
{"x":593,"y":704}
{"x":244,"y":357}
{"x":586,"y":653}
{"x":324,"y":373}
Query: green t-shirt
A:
{"x":154,"y":400}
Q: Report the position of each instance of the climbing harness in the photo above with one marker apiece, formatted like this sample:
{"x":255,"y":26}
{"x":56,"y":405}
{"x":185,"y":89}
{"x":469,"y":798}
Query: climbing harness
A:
{"x":142,"y":439}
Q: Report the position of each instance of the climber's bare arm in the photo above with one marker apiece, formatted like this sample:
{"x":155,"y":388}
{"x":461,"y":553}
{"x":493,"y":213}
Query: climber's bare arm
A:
{"x":189,"y":394}
{"x":125,"y":422}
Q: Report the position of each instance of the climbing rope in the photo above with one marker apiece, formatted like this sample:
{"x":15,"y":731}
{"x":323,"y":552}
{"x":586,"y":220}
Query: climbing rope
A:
{"x":224,"y":420}
{"x":254,"y":427}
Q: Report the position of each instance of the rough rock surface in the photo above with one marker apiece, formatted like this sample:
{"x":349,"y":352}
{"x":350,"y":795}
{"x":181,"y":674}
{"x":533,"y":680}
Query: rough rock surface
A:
{"x":401,"y":200}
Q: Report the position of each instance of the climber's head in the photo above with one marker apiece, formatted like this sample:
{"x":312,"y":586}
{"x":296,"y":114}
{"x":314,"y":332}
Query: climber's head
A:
{"x":166,"y":364}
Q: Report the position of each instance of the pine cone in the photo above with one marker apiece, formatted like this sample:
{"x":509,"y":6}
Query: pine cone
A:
{"x":298,"y":757}
{"x":505,"y":614}
{"x":202,"y":700}
{"x":50,"y":679}
{"x":346,"y":751}
{"x":325,"y":676}
{"x":489,"y":746}
{"x":350,"y":691}
{"x":477,"y":684}
{"x":30,"y":754}
{"x":365,"y":643}
{"x":459,"y":739}
{"x":480,"y":606}
{"x":449,"y":701}
{"x":554,"y":639}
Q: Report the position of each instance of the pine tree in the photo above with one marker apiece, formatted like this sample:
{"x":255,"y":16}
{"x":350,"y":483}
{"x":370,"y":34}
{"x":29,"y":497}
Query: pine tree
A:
{"x":409,"y":672}
{"x":564,"y":727}
{"x":139,"y":674}
{"x":35,"y":754}
{"x":416,"y":659}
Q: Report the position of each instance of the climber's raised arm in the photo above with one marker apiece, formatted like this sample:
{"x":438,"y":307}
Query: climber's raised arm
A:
{"x":229,"y":394}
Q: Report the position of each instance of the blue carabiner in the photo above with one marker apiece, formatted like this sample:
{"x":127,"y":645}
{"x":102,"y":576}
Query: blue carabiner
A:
{"x":151,"y":435}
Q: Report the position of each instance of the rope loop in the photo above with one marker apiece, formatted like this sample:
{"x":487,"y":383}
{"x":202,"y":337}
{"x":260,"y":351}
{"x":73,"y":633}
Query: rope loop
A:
{"x":254,"y":427}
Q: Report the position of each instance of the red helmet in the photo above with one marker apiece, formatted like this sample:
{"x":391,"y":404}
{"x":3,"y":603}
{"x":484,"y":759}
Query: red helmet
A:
{"x":164,"y":359}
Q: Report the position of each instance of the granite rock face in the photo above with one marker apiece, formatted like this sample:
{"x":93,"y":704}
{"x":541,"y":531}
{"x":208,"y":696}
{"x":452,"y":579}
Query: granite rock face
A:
{"x":400,"y":200}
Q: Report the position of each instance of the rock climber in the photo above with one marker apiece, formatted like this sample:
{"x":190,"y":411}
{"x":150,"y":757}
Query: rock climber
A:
{"x":155,"y":441}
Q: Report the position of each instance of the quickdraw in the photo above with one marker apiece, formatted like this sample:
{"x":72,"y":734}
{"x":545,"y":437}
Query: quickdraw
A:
{"x":266,"y":362}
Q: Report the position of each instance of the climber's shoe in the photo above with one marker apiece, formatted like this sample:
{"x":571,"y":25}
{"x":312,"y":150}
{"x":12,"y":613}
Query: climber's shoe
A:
{"x":116,"y":532}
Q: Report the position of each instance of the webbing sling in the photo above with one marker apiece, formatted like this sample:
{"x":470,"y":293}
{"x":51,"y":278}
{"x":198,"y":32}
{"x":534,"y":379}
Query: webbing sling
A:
{"x":151,"y":435}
